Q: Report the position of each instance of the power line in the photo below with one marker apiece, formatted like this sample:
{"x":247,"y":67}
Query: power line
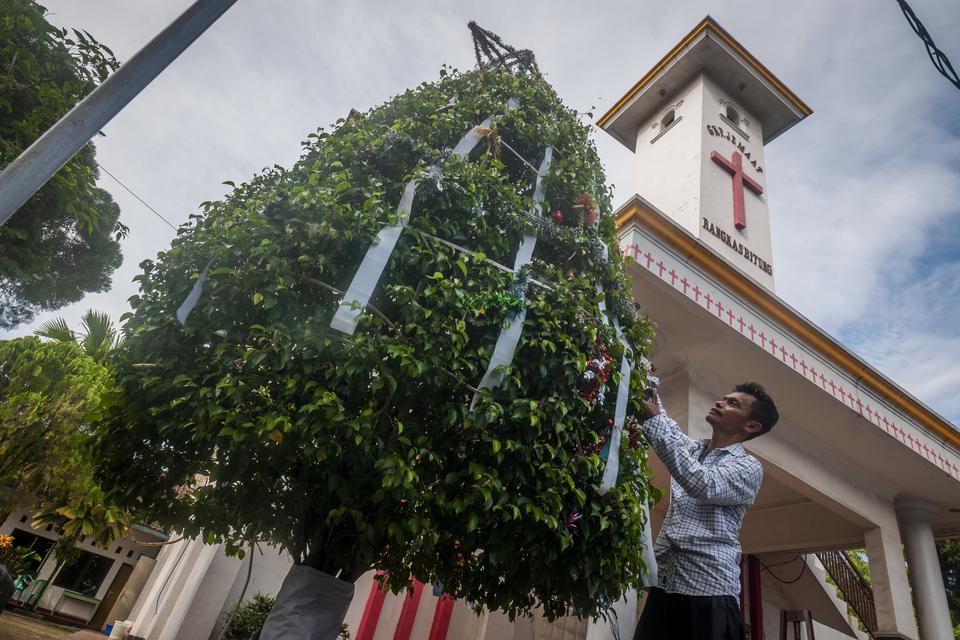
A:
{"x":803,"y":569}
{"x":937,"y":57}
{"x":130,"y":191}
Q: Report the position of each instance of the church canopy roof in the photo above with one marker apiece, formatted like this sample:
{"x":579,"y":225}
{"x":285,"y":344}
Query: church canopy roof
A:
{"x":711,"y":50}
{"x":642,"y":212}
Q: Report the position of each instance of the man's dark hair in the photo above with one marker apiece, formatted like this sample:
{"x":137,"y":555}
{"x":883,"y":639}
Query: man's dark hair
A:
{"x":762,"y":410}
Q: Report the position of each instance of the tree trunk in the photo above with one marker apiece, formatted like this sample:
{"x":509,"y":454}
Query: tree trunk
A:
{"x":311,"y":605}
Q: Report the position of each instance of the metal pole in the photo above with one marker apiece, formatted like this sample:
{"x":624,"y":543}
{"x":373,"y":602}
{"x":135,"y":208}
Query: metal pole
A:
{"x":24,"y":176}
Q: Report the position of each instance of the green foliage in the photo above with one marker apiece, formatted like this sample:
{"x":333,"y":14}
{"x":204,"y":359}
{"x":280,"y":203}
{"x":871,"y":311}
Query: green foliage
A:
{"x":19,"y":560}
{"x":859,"y":559}
{"x":49,"y":393}
{"x":84,"y":511}
{"x":97,"y":339}
{"x":948,"y":551}
{"x":362,"y":452}
{"x":247,"y":618}
{"x":63,"y":243}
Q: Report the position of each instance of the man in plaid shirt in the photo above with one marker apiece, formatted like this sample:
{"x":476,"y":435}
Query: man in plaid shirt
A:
{"x":713,"y":482}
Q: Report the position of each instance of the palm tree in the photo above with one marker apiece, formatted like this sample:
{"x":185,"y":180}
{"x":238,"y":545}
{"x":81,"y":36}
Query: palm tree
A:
{"x":97,"y":338}
{"x":82,"y":509}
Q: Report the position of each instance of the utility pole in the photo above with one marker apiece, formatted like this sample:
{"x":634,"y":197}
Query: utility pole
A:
{"x":34,"y":167}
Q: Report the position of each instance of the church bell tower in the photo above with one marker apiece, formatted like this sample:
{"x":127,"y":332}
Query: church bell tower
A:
{"x":697,"y":124}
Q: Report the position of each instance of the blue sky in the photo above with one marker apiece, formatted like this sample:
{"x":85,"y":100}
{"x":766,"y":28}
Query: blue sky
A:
{"x":864,"y":195}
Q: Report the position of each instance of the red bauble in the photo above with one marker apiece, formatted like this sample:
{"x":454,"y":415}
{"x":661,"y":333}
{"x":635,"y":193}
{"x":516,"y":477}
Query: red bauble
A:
{"x":557,"y":216}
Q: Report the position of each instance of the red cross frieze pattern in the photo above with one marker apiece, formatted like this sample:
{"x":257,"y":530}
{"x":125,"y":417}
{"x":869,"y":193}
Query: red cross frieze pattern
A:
{"x":824,"y":378}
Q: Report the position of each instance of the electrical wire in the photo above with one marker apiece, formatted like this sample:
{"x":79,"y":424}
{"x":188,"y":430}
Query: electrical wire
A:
{"x":803,"y":570}
{"x":163,"y":587}
{"x":937,"y":57}
{"x":130,"y":191}
{"x":243,"y":592}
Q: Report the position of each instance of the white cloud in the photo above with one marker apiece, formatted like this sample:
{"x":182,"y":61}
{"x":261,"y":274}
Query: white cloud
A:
{"x":858,"y":192}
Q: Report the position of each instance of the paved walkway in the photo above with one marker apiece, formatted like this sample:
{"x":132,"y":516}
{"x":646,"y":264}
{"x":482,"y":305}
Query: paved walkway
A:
{"x":17,"y":627}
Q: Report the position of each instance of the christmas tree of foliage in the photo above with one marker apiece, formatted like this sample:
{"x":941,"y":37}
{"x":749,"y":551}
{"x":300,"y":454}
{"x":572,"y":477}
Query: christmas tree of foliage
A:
{"x":379,"y":446}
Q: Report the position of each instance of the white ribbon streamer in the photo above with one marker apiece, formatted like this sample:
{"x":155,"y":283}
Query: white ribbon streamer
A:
{"x":193,"y":296}
{"x":375,"y":261}
{"x":619,"y":417}
{"x":612,"y":469}
{"x":651,"y":578}
{"x":509,"y":336}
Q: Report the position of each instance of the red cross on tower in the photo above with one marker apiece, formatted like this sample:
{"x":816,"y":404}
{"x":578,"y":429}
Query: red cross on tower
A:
{"x":740,"y":180}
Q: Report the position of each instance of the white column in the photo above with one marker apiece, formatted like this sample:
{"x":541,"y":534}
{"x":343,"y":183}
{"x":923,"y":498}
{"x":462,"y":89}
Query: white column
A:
{"x":929,"y":593}
{"x":146,"y":607}
{"x":888,"y":577}
{"x":188,"y":592}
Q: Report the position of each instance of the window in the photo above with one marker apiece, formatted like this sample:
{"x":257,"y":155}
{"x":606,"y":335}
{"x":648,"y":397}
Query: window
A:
{"x":733,"y":115}
{"x":666,"y":122}
{"x":85,"y":574}
{"x":33,"y":542}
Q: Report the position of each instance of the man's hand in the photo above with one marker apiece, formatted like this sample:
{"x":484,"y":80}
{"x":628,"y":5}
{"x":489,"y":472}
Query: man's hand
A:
{"x":651,"y":406}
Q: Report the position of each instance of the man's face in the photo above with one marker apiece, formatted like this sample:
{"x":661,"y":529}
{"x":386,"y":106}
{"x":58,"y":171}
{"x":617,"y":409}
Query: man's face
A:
{"x":730,"y":415}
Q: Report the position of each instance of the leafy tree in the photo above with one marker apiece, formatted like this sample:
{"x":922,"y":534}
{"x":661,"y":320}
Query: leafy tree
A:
{"x":363,"y":451}
{"x":64,"y":241}
{"x":49,"y":393}
{"x":949,"y":553}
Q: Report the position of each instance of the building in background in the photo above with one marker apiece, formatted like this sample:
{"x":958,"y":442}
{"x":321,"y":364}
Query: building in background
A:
{"x":100,"y":586}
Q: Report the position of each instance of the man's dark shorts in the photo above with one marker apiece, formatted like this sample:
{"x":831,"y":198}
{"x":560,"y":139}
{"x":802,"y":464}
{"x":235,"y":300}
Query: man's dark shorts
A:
{"x":675,"y":616}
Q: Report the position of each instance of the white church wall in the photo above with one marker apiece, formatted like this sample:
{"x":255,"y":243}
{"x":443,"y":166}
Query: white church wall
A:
{"x":465,"y":624}
{"x":499,"y":627}
{"x":361,"y":591}
{"x":270,"y":567}
{"x":203,"y":610}
{"x":667,"y":164}
{"x":719,"y":134}
{"x":186,"y":593}
{"x":425,"y":612}
{"x":389,"y":616}
{"x":626,"y":620}
{"x":674,"y":393}
{"x":702,"y":396}
{"x":208,"y":606}
{"x":152,"y":584}
{"x":160,"y":611}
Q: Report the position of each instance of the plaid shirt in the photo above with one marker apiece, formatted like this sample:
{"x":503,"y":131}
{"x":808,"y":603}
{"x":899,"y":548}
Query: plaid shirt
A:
{"x":698,"y":549}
